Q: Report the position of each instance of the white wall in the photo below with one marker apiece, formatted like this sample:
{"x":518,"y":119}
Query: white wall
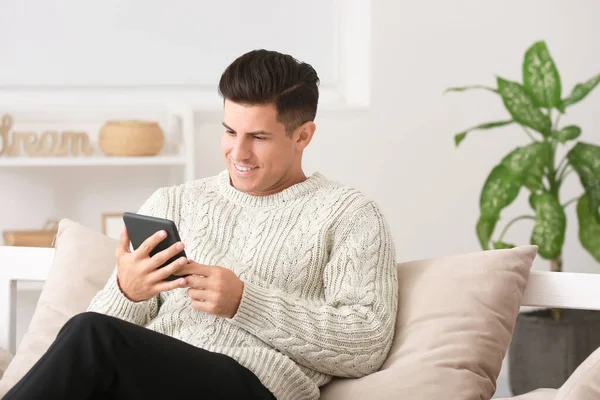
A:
{"x":400,"y":150}
{"x":136,"y":42}
{"x":432,"y":190}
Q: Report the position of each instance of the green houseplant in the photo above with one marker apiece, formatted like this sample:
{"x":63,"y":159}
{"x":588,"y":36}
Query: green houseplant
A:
{"x":536,"y":106}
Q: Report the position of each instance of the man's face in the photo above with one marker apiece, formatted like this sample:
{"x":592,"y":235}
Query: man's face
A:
{"x":260,"y":158}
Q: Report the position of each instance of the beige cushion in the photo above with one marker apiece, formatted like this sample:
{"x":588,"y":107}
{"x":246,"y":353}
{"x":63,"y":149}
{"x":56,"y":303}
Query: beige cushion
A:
{"x":5,"y":358}
{"x":455,"y":322}
{"x":584,"y":382}
{"x":82,"y":263}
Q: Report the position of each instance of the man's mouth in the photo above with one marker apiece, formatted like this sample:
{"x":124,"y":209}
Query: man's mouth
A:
{"x":242,"y":168}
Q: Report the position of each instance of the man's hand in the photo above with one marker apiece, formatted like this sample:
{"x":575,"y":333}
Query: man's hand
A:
{"x":217,"y":290}
{"x":137,"y":273}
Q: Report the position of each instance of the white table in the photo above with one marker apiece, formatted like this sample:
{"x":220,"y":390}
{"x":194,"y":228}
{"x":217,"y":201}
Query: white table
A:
{"x":17,"y":265}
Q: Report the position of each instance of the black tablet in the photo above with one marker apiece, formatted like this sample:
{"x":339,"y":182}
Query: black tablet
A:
{"x":140,"y":227}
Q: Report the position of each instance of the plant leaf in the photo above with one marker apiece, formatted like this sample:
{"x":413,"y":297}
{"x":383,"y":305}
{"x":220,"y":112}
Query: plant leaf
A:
{"x":522,"y":108}
{"x":503,"y":184}
{"x":589,"y":228}
{"x":520,"y":160}
{"x":499,"y":190}
{"x":550,"y":225}
{"x":585,"y":159}
{"x":459,"y":137}
{"x":534,"y":177}
{"x":541,"y":79}
{"x":503,"y":245}
{"x":464,"y":88}
{"x":567,"y":133}
{"x":528,"y":162}
{"x":485,"y":228}
{"x":580,"y":91}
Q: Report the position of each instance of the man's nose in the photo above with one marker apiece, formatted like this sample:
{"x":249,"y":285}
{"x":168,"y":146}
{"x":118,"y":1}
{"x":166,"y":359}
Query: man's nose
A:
{"x":241,"y":150}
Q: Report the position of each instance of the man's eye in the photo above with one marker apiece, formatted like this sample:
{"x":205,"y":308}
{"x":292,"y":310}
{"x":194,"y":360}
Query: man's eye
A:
{"x":259,"y":138}
{"x":230,"y":132}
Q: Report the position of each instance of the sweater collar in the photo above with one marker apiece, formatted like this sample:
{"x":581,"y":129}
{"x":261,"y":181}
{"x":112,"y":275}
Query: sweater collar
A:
{"x":310,"y":185}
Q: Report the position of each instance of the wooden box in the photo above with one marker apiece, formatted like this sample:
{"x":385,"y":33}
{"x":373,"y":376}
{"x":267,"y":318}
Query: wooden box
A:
{"x":32,"y":238}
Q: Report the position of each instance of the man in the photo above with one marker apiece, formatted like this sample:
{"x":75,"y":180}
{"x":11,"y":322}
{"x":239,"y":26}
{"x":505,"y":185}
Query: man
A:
{"x":292,"y":278}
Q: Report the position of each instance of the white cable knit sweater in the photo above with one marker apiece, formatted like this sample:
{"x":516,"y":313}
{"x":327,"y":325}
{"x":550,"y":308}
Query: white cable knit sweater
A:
{"x":320,"y":288}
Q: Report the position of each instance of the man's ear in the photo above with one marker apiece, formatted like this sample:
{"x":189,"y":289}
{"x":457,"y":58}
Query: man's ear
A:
{"x":304,"y":134}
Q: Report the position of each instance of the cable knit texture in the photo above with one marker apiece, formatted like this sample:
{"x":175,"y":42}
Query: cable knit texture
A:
{"x":320,"y":286}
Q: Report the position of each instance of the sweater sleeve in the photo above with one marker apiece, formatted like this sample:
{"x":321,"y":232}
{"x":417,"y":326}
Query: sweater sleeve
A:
{"x":111,"y":300}
{"x":349,"y":332}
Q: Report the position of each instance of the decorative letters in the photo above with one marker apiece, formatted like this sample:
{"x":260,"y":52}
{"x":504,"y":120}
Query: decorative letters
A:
{"x":49,"y":143}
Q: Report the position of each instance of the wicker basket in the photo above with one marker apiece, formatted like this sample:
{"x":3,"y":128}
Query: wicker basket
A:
{"x":32,"y":238}
{"x":131,"y":138}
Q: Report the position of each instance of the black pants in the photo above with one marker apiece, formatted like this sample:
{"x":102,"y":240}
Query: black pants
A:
{"x":99,"y":357}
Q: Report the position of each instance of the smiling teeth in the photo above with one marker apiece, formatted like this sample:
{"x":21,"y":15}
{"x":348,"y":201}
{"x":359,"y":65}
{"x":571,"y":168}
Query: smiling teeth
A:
{"x":242,"y":169}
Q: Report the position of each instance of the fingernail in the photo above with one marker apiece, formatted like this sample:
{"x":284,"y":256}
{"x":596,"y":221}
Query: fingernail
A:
{"x":182,"y":261}
{"x":162,"y":233}
{"x":179,"y":246}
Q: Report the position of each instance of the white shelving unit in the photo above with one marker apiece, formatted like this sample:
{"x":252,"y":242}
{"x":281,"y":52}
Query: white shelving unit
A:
{"x":177,"y":157}
{"x":177,"y":123}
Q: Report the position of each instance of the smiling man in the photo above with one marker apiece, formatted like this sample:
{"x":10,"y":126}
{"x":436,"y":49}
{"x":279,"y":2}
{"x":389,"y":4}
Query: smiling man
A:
{"x":261,"y":153}
{"x":292,"y":279}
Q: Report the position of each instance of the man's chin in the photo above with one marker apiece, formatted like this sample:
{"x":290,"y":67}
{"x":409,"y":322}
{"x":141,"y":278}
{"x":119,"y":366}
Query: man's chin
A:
{"x":242,"y":184}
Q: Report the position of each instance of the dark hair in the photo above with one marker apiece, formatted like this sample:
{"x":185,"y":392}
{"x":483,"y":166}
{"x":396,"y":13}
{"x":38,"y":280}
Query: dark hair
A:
{"x":265,"y":77}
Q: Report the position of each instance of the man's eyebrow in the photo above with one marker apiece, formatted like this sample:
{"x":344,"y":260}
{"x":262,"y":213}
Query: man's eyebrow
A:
{"x":227,"y":127}
{"x":256,"y":133}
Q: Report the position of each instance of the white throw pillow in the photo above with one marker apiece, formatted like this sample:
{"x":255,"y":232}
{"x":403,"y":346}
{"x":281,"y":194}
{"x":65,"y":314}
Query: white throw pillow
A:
{"x":82,"y":263}
{"x":456,"y":316}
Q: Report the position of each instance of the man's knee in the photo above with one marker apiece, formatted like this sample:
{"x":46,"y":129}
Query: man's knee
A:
{"x":87,"y":320}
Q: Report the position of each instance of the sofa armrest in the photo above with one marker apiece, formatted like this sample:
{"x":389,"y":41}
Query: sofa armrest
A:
{"x":18,"y":264}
